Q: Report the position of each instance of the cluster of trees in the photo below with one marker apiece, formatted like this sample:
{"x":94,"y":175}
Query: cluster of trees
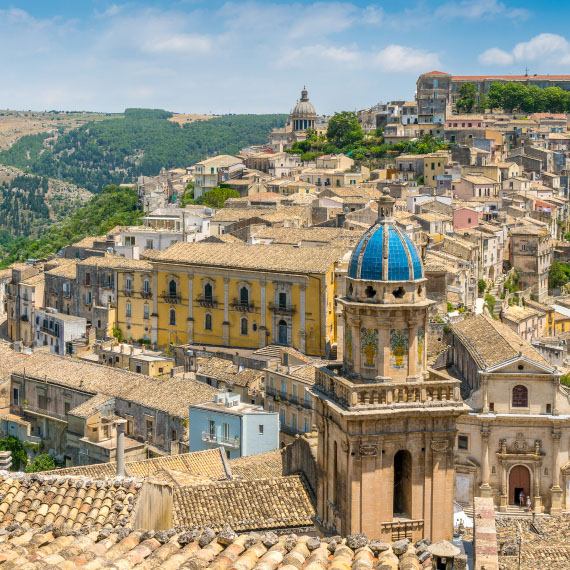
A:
{"x":23,"y":207}
{"x":559,"y":274}
{"x":20,"y":458}
{"x":514,"y":96}
{"x":345,"y":135}
{"x":142,"y":141}
{"x":214,"y":198}
{"x":113,"y":206}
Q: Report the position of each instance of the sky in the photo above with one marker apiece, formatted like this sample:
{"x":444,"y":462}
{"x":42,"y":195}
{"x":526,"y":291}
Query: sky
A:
{"x":254,"y":56}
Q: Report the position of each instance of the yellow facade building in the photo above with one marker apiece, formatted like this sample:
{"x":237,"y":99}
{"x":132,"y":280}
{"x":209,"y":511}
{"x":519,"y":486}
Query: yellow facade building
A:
{"x":243,"y":296}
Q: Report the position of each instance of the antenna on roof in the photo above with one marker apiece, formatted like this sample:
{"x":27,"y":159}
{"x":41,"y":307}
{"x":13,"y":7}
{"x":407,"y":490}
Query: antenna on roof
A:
{"x":526,"y":71}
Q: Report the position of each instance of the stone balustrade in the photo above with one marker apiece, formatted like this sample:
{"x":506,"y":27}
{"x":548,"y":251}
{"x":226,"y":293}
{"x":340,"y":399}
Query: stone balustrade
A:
{"x":371,"y":395}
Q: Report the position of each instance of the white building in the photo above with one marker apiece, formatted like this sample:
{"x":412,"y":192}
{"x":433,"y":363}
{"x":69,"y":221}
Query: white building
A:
{"x":211,"y":172}
{"x":58,"y":330}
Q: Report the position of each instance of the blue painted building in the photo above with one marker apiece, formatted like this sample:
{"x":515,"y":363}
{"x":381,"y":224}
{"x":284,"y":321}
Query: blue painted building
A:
{"x":239,"y":428}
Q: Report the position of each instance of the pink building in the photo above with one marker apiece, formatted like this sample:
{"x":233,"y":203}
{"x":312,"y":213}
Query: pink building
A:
{"x":465,"y":218}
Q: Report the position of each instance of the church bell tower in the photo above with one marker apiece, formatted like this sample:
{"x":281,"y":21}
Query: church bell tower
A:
{"x":386,"y":422}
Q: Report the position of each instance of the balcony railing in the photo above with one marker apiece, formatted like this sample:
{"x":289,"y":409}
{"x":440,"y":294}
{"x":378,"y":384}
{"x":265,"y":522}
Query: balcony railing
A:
{"x":146,"y":294}
{"x":172,"y":298}
{"x":207,"y":302}
{"x":282,"y":309}
{"x":44,"y":412}
{"x":242,"y":306}
{"x":225,"y":441}
{"x":283,"y":396}
{"x":127,"y":292}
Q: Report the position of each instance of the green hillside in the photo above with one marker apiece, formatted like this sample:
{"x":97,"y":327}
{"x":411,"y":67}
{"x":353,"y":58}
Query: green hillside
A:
{"x":140,"y":142}
{"x":111,"y":207}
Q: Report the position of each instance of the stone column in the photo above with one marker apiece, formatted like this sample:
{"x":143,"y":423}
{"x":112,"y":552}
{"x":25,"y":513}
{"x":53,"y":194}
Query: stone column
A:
{"x":485,"y":394}
{"x":442,"y":491}
{"x":412,"y":349}
{"x":302,"y":316}
{"x":190,"y":325}
{"x":504,"y":489}
{"x":356,"y":353}
{"x":537,"y":499}
{"x":485,"y":487}
{"x":226,"y":323}
{"x":556,"y":491}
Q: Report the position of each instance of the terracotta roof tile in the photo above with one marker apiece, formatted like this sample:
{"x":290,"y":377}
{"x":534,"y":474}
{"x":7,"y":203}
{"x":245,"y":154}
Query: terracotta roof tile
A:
{"x":259,"y":504}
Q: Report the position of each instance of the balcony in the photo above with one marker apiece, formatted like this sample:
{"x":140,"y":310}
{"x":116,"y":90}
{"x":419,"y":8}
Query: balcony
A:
{"x":241,"y":306}
{"x":233,"y":442}
{"x":172,"y":298}
{"x":280,"y":309}
{"x":207,"y":302}
{"x":127,"y":292}
{"x":24,"y":318}
{"x":44,"y":413}
{"x":146,"y":294}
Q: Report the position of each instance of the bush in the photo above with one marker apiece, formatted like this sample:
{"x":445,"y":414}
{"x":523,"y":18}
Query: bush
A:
{"x":565,"y":379}
{"x":490,"y":301}
{"x":19,"y":455}
{"x":559,"y":274}
{"x":481,"y":286}
{"x":41,"y":462}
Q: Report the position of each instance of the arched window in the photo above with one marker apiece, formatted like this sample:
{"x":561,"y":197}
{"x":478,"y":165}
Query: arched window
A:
{"x":520,"y":397}
{"x":172,"y":288}
{"x":208,"y":292}
{"x":172,"y":320}
{"x":244,"y":326}
{"x":208,"y":322}
{"x":244,"y":296}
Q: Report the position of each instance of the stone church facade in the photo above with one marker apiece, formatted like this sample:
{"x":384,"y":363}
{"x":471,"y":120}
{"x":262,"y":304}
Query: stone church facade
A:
{"x":514,"y":443}
{"x":386,"y":422}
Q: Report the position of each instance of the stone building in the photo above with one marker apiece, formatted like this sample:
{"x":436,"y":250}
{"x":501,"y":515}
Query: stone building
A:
{"x":386,"y":423}
{"x":514,"y":441}
{"x":530,"y":253}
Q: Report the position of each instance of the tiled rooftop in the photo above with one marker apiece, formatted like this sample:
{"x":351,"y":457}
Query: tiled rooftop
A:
{"x":278,"y":258}
{"x":491,"y":342}
{"x":260,"y":466}
{"x":226,"y":371}
{"x":172,"y":396}
{"x":258,"y":504}
{"x":205,"y":464}
{"x":201,"y":548}
{"x":35,"y":500}
{"x":116,"y":262}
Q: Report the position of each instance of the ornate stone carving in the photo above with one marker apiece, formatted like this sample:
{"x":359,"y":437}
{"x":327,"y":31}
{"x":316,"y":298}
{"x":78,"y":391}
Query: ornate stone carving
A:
{"x":520,"y":444}
{"x":439,"y":445}
{"x":367,"y":450}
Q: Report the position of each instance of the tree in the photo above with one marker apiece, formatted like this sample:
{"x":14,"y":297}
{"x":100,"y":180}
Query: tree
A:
{"x":558,"y":275}
{"x":41,"y":462}
{"x":344,"y":130}
{"x":188,"y":196}
{"x":16,"y":447}
{"x":467,"y":98}
{"x":216,"y":197}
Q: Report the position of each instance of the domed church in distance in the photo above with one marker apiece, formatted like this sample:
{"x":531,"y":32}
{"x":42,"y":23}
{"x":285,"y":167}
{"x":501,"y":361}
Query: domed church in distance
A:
{"x":386,"y":422}
{"x":302,"y":118}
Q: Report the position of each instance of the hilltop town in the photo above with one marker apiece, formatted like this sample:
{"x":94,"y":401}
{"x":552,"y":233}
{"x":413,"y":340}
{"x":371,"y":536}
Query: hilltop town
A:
{"x":346,"y":346}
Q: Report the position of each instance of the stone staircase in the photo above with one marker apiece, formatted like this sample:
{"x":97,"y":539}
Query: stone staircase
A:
{"x":496,"y":290}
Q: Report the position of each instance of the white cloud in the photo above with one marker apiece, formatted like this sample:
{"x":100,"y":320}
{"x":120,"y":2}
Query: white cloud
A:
{"x":548,"y":49}
{"x":479,"y":9}
{"x":179,"y":43}
{"x":307,"y":55}
{"x":402,"y":58}
{"x":496,"y":56}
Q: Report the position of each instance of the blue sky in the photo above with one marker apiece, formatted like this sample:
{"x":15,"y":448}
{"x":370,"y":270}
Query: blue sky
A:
{"x":255,"y":55}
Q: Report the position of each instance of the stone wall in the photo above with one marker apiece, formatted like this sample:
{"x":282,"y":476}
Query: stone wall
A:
{"x":484,"y":535}
{"x":301,"y":457}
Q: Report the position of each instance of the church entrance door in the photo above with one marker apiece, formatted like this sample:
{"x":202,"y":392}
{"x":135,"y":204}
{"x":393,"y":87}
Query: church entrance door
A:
{"x":519,"y":482}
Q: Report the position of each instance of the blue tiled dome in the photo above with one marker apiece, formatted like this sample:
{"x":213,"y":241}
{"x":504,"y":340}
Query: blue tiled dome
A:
{"x":385,"y":240}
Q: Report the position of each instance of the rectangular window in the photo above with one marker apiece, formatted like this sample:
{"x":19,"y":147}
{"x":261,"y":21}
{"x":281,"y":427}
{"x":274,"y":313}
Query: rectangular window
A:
{"x":42,"y":401}
{"x":283,"y":388}
{"x":282,"y":420}
{"x":128,"y":310}
{"x":146,"y":311}
{"x":212,"y":428}
{"x":306,"y":425}
{"x":88,"y":279}
{"x":16,"y":396}
{"x":226,"y":431}
{"x":462,"y":442}
{"x":260,"y":429}
{"x":294,"y":422}
{"x":149,"y":244}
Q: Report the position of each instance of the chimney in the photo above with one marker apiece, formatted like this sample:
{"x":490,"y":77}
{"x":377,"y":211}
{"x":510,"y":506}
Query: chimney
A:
{"x":120,"y":453}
